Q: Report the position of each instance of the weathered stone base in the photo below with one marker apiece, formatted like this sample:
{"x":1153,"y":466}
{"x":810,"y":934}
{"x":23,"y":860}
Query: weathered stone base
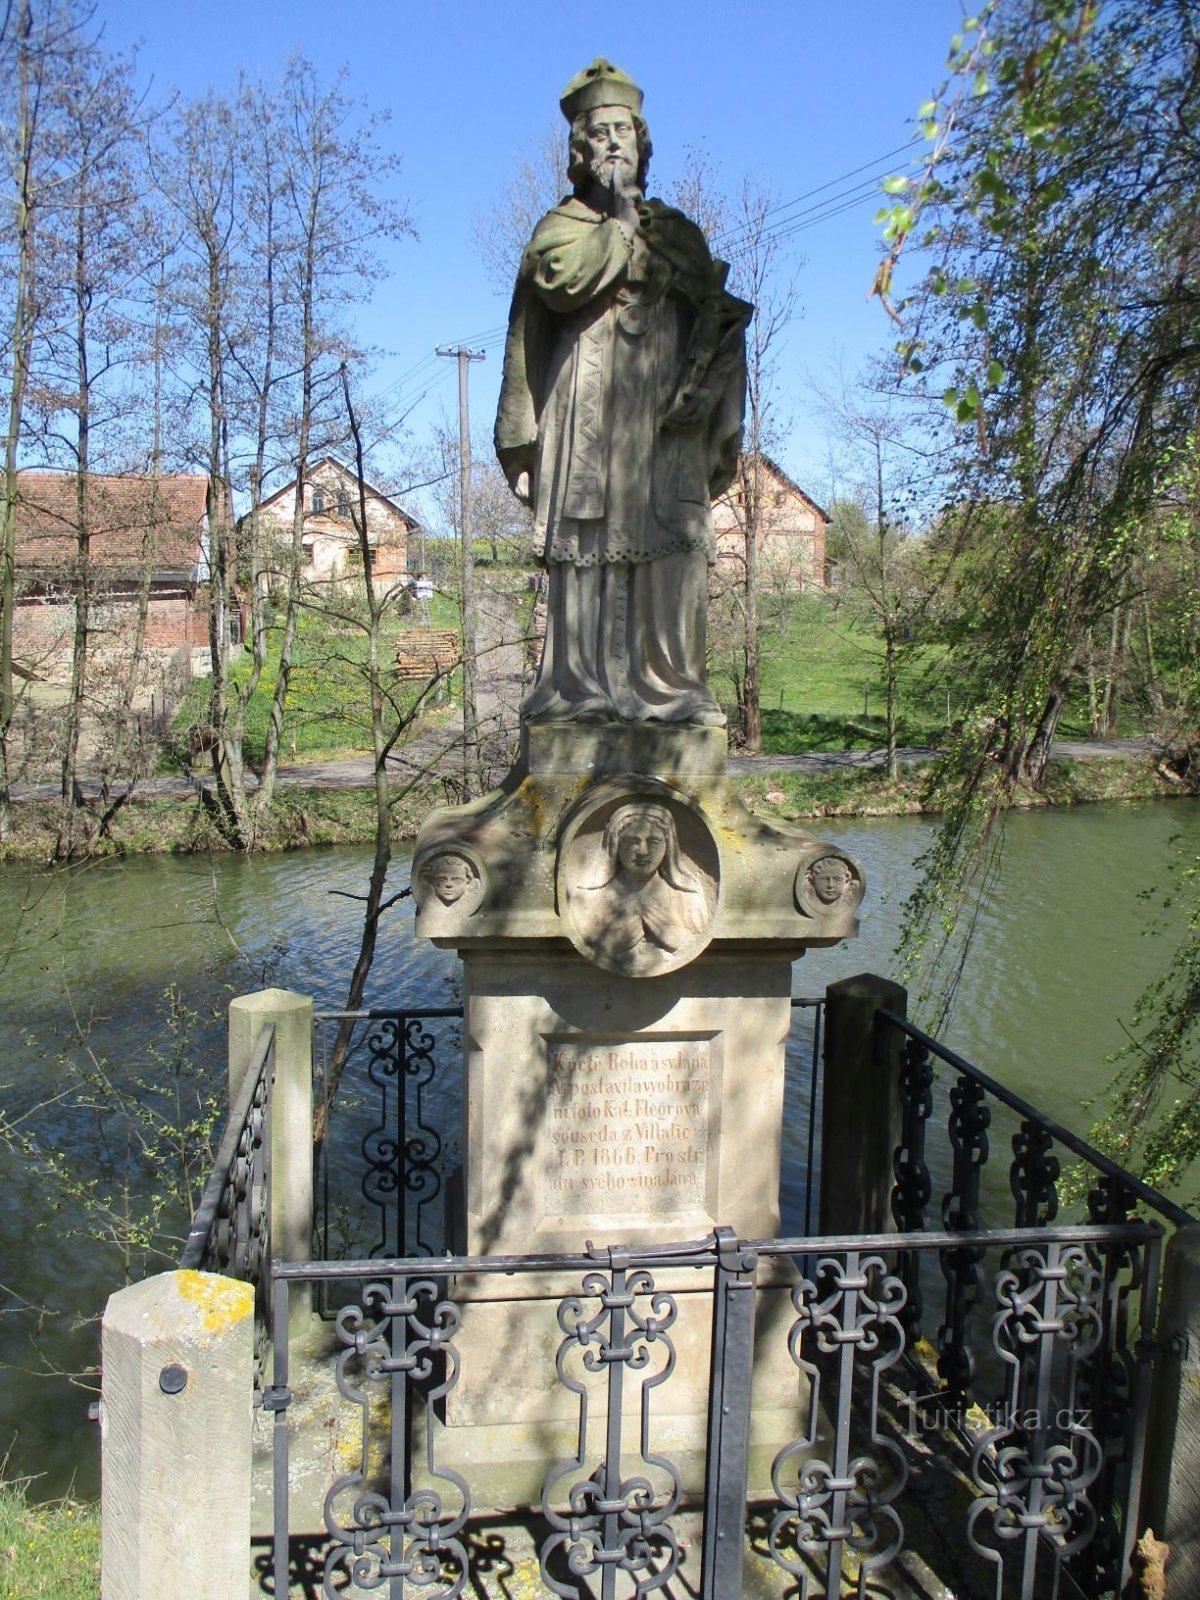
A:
{"x":599,"y":1107}
{"x":518,"y":843}
{"x":627,"y":1000}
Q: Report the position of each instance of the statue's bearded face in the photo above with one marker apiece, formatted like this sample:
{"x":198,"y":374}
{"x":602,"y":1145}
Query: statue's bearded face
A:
{"x":611,"y":147}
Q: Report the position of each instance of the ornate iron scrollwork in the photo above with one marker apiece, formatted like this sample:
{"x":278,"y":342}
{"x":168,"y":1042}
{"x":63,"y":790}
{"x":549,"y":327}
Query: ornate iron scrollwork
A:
{"x":616,"y":1326}
{"x":848,"y":1331}
{"x":1034,"y":1469}
{"x":1108,"y":1379}
{"x":970,"y":1118}
{"x":238,"y":1244}
{"x":422,"y":1142}
{"x":403,"y":1152}
{"x":398,"y":1346}
{"x":913,"y":1188}
{"x":1033,"y":1176}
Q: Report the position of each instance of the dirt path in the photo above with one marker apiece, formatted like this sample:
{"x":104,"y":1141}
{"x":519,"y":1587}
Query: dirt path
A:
{"x":438,"y":749}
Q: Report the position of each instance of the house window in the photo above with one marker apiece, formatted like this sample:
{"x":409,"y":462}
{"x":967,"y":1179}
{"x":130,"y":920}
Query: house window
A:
{"x":343,"y":502}
{"x":318,"y":501}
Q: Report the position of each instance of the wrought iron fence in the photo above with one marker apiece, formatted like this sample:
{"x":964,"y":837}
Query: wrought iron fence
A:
{"x":1009,"y":1440}
{"x":386,"y":1168}
{"x":856,"y":1472}
{"x":230,"y":1232}
{"x":953,"y":1115}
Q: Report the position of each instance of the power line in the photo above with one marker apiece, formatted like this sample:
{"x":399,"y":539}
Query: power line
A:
{"x":733,"y":242}
{"x":729,"y":238}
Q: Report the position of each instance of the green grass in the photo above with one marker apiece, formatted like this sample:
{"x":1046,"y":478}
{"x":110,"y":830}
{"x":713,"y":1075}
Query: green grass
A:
{"x":823,"y":687}
{"x":869,"y":792}
{"x":328,"y":711}
{"x":48,"y":1552}
{"x":822,"y":684}
{"x":298,"y":818}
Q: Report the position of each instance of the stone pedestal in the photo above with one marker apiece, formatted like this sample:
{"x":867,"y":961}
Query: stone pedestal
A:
{"x":607,"y":1108}
{"x":627,"y":930}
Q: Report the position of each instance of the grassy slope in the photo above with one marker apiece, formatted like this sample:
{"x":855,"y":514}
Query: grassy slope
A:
{"x":823,"y":684}
{"x":814,"y":674}
{"x":821,"y":670}
{"x":328,"y":710}
{"x":49,"y":1552}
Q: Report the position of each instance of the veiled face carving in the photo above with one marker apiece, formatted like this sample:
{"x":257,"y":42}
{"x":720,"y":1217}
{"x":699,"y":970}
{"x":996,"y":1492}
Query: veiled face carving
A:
{"x":638,"y":885}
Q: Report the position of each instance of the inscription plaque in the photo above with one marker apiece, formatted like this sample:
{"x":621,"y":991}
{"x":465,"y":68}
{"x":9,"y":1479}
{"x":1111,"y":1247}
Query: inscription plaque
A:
{"x":627,"y":1127}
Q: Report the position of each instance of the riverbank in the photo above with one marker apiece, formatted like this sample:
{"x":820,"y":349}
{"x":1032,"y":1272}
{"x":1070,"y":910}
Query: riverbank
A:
{"x":314,"y":808}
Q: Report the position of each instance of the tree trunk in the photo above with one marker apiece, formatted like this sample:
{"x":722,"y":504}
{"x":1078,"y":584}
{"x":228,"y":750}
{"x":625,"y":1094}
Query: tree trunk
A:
{"x":82,"y":292}
{"x":308,"y":356}
{"x":891,"y":677}
{"x":1031,"y":762}
{"x":21,"y":346}
{"x":380,"y":744}
{"x":1153,"y":688}
{"x":1093,"y":697}
{"x":1122,"y":623}
{"x":752,"y":713}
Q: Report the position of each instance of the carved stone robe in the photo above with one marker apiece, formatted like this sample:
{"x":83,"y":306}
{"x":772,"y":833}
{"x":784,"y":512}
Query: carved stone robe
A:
{"x":624,"y":382}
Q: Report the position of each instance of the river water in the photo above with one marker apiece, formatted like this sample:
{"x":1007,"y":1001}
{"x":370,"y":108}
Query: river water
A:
{"x":87,"y":956}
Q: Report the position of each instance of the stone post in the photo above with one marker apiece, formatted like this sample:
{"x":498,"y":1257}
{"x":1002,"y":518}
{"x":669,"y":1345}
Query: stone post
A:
{"x":291,"y":1154}
{"x":175,"y":1430}
{"x":1171,"y":1499}
{"x":861,"y":1113}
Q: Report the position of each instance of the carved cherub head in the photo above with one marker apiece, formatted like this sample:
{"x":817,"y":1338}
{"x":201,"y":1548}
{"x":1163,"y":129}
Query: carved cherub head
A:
{"x":830,"y":877}
{"x":450,"y":876}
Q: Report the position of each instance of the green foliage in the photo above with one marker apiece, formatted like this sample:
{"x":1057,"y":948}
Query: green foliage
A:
{"x":1056,"y":320}
{"x":47,"y":1552}
{"x":844,"y":792}
{"x":1152,"y":1123}
{"x":329,"y":707}
{"x":123,"y":1146}
{"x":823,"y":682}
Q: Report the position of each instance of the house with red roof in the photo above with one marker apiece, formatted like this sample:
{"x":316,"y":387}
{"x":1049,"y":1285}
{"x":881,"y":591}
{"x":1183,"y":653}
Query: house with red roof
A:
{"x":136,"y":525}
{"x":329,"y":498}
{"x":791,"y":531}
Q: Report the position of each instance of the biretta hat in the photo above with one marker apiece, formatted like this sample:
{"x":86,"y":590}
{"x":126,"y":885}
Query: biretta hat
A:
{"x":601,"y":84}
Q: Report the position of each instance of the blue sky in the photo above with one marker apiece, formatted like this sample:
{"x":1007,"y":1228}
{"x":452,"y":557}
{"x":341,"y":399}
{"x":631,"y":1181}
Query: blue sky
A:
{"x":793,"y":93}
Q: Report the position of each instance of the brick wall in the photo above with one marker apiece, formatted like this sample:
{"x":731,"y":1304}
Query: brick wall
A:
{"x":43,"y":630}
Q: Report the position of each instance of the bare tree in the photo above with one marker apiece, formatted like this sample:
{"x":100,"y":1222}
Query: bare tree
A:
{"x":763,"y":272}
{"x":871,"y":528}
{"x":97,"y":237}
{"x":199,"y":176}
{"x":336,"y":215}
{"x":279,"y":195}
{"x":392,"y":713}
{"x":35,"y":62}
{"x":539,"y":182}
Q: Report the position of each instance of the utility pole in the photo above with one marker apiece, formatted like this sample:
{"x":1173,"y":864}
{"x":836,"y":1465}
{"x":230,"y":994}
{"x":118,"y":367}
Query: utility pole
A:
{"x":470,"y":711}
